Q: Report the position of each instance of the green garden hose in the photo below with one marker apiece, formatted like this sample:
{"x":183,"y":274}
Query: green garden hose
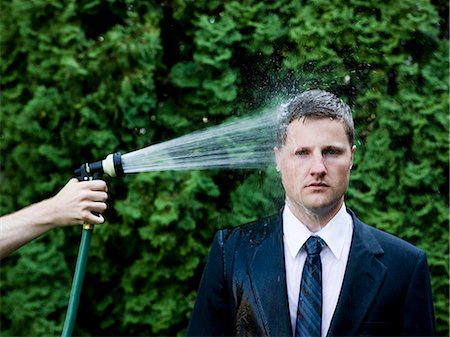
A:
{"x":77,"y":282}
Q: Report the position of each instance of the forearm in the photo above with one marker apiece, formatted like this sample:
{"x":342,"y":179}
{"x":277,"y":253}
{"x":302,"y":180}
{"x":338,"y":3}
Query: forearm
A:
{"x":74,"y":204}
{"x":25,"y":225}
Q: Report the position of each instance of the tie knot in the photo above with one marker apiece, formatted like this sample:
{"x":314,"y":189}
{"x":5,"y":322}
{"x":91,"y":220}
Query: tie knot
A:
{"x":314,"y":245}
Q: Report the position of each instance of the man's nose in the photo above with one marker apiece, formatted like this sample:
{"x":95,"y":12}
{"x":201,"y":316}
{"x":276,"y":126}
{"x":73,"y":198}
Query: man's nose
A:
{"x":318,"y":167}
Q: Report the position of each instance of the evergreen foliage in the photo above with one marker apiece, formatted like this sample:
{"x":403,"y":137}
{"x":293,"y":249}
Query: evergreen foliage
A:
{"x":82,"y":79}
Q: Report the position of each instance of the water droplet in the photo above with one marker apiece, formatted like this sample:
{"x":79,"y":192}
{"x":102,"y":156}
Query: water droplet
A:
{"x":409,"y":60}
{"x":212,"y":20}
{"x":101,"y":38}
{"x":347,"y":79}
{"x":205,"y":119}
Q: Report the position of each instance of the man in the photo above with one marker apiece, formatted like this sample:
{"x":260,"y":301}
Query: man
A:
{"x":72,"y":205}
{"x":315,"y":269}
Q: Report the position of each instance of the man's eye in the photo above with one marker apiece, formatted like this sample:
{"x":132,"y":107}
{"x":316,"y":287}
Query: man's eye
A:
{"x":301,"y":153}
{"x":331,"y":152}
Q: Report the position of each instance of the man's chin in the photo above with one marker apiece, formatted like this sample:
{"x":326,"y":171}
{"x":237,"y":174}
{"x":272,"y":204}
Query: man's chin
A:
{"x":317,"y":203}
{"x":322,"y":207}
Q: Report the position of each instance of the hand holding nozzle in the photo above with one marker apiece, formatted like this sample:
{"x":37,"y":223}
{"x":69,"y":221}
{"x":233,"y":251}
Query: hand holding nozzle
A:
{"x":111,"y":165}
{"x":97,"y":203}
{"x":81,"y":202}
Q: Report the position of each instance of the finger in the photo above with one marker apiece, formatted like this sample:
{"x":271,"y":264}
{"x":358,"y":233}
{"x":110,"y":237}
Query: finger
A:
{"x":100,"y":185}
{"x":96,"y":196}
{"x":98,"y":207}
{"x":94,"y":219}
{"x":95,"y":185}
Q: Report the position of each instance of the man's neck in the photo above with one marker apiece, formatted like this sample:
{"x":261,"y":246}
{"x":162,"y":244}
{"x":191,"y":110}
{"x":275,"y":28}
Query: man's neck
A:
{"x":315,"y":219}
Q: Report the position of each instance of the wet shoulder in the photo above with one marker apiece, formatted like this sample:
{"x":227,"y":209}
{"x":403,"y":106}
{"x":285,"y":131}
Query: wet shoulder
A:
{"x":256,"y":231}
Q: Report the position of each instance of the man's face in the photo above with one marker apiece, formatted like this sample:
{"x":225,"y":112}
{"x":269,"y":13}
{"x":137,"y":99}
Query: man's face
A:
{"x":315,"y":164}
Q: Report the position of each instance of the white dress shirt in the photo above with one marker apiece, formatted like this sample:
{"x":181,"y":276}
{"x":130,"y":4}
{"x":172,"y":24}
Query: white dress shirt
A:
{"x":337,"y":234}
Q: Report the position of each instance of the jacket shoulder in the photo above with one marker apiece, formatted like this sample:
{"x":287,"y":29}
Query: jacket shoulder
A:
{"x":253,"y":232}
{"x":386,"y":242}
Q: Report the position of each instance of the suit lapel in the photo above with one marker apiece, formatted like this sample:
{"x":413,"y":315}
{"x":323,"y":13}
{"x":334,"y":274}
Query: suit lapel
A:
{"x":363,"y":277}
{"x":268,"y":279}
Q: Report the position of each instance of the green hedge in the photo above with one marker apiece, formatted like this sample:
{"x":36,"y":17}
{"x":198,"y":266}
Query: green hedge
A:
{"x":82,"y":79}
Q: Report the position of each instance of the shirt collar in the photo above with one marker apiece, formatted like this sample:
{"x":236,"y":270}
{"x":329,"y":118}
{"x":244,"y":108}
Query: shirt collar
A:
{"x":334,"y":233}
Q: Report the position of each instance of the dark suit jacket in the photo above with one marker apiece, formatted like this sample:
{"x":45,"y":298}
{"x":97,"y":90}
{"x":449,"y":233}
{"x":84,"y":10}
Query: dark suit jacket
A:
{"x":386,"y":289}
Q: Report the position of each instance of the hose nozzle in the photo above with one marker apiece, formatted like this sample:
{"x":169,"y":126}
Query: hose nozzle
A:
{"x":111,"y":165}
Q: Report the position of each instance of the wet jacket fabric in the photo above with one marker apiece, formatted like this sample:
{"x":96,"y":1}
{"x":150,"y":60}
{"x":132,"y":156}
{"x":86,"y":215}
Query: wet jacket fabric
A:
{"x":386,"y":289}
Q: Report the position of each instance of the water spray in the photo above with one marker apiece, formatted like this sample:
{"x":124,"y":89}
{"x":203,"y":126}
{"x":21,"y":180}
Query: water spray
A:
{"x":245,"y":143}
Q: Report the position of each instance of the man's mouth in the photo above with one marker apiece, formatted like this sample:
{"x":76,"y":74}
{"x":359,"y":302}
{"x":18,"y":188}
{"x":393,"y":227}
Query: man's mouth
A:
{"x":317,"y":184}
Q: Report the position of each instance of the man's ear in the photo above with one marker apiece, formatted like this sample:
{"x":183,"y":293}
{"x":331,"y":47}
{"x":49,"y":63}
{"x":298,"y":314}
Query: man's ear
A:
{"x":276,"y":151}
{"x":353,"y":156}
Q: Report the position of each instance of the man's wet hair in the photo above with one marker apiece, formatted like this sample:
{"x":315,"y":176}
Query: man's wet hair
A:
{"x":315,"y":104}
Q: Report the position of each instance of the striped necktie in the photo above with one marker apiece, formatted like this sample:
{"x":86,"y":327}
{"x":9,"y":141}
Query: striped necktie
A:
{"x":309,"y":312}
